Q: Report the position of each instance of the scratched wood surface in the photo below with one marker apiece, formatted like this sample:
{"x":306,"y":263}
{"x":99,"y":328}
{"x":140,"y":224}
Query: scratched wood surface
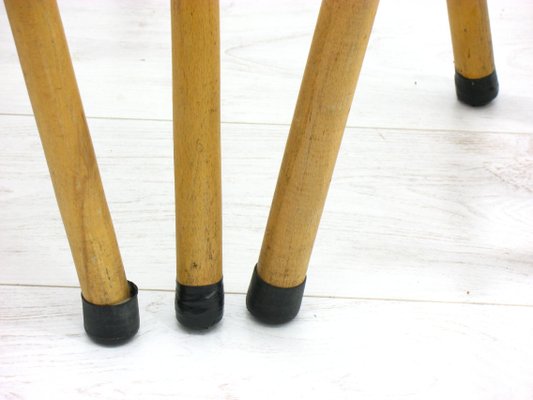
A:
{"x":422,"y":272}
{"x":66,"y":141}
{"x":433,"y":215}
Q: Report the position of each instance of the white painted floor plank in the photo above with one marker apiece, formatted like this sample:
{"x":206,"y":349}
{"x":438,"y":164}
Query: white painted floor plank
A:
{"x":335,"y":349}
{"x":422,"y":215}
{"x":121,"y":53}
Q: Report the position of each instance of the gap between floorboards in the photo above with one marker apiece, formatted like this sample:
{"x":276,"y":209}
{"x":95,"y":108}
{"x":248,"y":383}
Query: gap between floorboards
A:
{"x":308,"y":296}
{"x":288,"y":125}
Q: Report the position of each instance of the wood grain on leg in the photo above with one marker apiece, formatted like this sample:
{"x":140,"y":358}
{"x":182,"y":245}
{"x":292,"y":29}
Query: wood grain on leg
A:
{"x":199,"y":298}
{"x":476,"y":81}
{"x":335,"y":59}
{"x":337,"y":51}
{"x":56,"y":102}
{"x":471,"y":37}
{"x":196,"y":97}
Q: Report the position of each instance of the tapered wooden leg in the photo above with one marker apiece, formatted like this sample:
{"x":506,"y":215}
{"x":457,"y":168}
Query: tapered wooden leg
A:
{"x":196,"y":97}
{"x":109,"y":301}
{"x":333,"y":66}
{"x":476,"y":81}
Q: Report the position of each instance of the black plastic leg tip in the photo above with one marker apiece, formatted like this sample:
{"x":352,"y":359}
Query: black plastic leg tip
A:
{"x":476,"y":92}
{"x":272,"y":304}
{"x":199,"y":307}
{"x":112,"y":324}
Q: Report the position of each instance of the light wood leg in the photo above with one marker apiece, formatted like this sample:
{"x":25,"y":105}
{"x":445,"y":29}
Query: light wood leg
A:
{"x":475,"y":74}
{"x":328,"y":85}
{"x":56,"y":102}
{"x":197,"y":163}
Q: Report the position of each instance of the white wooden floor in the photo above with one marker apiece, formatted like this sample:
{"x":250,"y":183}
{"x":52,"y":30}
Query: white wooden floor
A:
{"x":421,"y":281}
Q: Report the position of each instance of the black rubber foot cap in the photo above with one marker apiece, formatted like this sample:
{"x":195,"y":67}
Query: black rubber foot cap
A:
{"x":272,"y":304}
{"x":476,"y":92}
{"x":113,"y":324}
{"x":199,"y":307}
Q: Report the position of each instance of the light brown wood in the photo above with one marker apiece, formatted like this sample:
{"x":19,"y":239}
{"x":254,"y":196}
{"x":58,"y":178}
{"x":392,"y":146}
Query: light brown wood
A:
{"x":337,"y":51}
{"x":197,"y":164}
{"x":51,"y":84}
{"x":471,"y":38}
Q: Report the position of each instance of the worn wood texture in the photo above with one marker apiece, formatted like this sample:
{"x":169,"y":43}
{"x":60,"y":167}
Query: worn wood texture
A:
{"x":427,"y":215}
{"x":56,"y":102}
{"x":196,"y":83}
{"x":471,"y":38}
{"x":335,"y":58}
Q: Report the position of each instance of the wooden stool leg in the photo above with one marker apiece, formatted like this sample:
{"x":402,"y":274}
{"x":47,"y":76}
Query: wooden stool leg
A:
{"x":109,"y":301}
{"x":337,"y":51}
{"x":196,"y":97}
{"x":476,"y":82}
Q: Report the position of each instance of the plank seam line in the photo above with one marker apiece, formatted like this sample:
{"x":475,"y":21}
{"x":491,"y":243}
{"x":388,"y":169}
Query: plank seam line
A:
{"x":384,"y":128}
{"x":404,"y":300}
